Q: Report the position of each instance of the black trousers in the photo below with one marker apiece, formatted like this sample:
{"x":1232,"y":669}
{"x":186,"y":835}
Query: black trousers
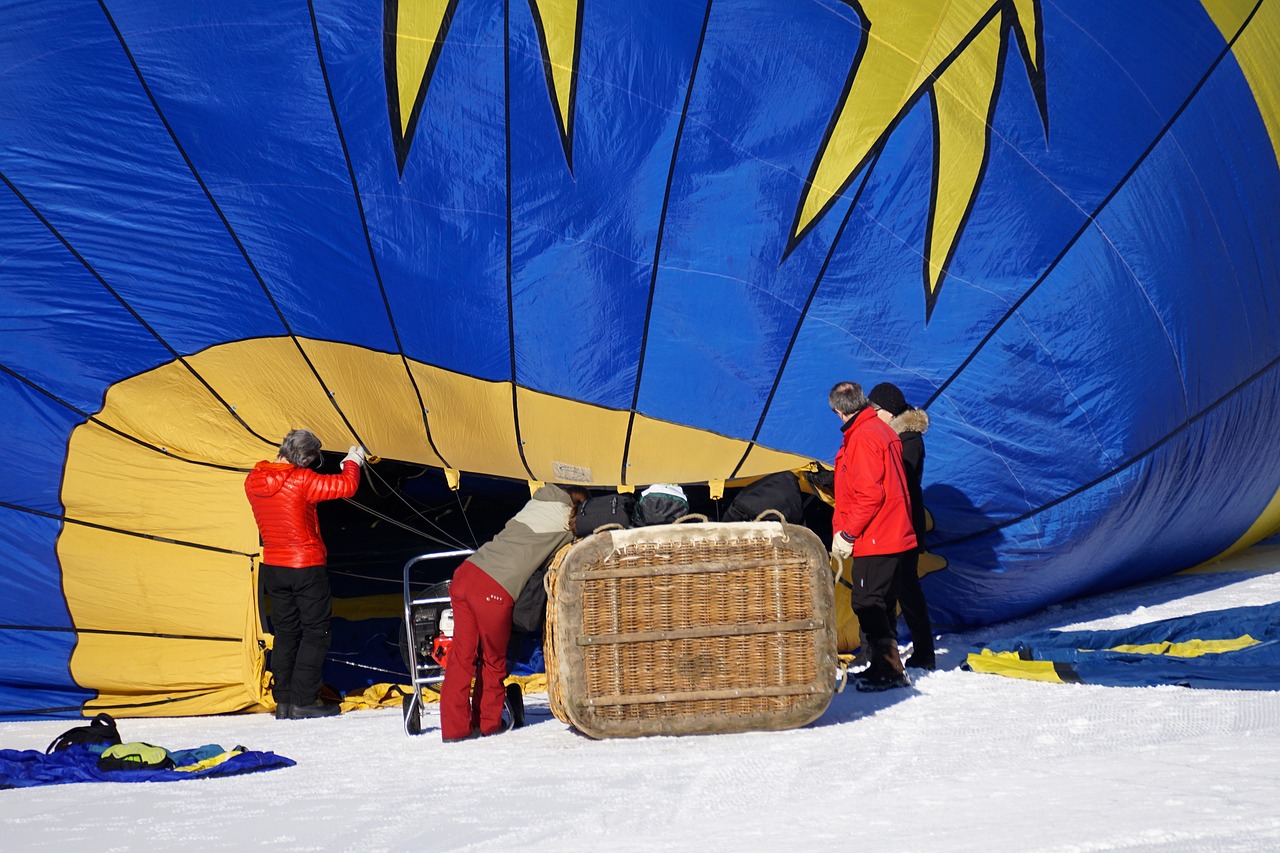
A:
{"x":908,"y":594}
{"x":873,"y":578}
{"x":301,"y":605}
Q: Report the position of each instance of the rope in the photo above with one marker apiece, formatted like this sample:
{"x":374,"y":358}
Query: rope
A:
{"x":450,"y":541}
{"x":403,"y":526}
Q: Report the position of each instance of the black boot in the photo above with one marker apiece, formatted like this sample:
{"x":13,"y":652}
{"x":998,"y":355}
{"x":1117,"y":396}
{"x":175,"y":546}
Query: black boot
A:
{"x":317,"y":709}
{"x":885,"y":672}
{"x":921,"y":660}
{"x":282,"y":710}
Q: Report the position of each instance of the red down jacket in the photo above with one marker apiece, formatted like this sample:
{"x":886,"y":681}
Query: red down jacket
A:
{"x":284,"y":498}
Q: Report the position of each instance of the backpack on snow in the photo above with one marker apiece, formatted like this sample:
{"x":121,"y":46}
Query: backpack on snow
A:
{"x":780,"y":492}
{"x":594,"y":513}
{"x":135,"y":756}
{"x":661,"y":503}
{"x":101,"y":730}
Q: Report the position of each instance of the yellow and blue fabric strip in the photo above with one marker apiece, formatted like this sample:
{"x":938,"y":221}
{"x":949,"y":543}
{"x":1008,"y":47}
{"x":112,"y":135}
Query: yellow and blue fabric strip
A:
{"x":1233,"y":649}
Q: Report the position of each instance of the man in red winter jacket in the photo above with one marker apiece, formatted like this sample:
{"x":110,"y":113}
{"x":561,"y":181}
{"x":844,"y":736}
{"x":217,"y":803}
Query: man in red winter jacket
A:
{"x":284,"y":494}
{"x":871,"y":526}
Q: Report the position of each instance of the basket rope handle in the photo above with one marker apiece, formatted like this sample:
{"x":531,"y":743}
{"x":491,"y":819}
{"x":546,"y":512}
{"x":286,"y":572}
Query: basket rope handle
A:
{"x":613,"y":525}
{"x":693,"y":516}
{"x":771,"y":511}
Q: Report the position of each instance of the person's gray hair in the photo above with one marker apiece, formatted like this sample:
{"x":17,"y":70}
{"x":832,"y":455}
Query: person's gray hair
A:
{"x":301,"y":447}
{"x":847,"y":398}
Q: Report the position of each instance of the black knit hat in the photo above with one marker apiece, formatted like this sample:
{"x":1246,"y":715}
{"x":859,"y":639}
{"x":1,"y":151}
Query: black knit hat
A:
{"x":889,"y":397}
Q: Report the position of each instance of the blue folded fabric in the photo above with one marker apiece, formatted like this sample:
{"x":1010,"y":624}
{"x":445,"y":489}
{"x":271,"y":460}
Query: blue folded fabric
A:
{"x":1233,"y":649}
{"x":30,"y":768}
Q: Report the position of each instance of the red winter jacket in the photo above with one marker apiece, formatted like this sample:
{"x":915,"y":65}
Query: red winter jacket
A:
{"x":872,"y":504}
{"x":284,"y":498}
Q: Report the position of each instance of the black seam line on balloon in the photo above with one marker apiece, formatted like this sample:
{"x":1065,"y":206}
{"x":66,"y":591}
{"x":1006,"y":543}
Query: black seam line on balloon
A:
{"x":511,"y":313}
{"x":1033,"y":62}
{"x":901,"y":116}
{"x":51,"y":710}
{"x":657,"y":249}
{"x":230,"y":231}
{"x":123,"y":303}
{"x":1097,"y":211}
{"x":100,"y":707}
{"x":64,"y":629}
{"x":364,"y":226}
{"x":1129,"y":463}
{"x":490,"y":381}
{"x":931,"y":294}
{"x":573,"y":80}
{"x":804,"y":312}
{"x":66,"y":519}
{"x":565,"y":128}
{"x":104,"y":425}
{"x":403,"y":141}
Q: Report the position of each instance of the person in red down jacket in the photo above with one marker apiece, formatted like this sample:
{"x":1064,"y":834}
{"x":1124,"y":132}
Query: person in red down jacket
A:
{"x":284,"y":494}
{"x":871,"y":525}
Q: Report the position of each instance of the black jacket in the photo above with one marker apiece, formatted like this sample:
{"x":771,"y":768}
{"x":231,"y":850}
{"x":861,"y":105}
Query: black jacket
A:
{"x":911,"y":426}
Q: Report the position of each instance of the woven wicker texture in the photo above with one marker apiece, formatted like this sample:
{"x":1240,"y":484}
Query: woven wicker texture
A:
{"x":691,"y":628}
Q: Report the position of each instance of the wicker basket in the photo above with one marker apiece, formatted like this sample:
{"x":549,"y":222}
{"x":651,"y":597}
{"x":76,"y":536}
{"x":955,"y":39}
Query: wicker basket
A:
{"x":691,"y":629}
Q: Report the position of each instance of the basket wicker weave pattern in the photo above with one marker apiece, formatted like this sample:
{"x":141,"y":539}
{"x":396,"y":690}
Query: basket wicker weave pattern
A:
{"x":693,"y":628}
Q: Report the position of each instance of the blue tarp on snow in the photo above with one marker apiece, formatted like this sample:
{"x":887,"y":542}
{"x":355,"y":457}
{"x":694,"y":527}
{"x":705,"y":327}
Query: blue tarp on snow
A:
{"x":30,"y":768}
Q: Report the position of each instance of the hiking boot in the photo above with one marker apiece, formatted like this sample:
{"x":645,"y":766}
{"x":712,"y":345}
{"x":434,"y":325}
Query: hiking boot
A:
{"x":282,"y":710}
{"x":876,"y":685}
{"x":317,"y":709}
{"x":921,"y":661}
{"x":885,"y":671}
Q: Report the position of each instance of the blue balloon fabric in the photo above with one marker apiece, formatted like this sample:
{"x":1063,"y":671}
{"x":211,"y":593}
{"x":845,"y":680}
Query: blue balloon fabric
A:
{"x":618,"y":243}
{"x":1232,"y":649}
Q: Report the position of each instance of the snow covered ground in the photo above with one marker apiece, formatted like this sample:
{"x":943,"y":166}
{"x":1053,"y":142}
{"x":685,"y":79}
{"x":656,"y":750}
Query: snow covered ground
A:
{"x":960,"y":762}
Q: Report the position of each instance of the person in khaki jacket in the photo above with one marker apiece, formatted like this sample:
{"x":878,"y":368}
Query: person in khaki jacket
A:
{"x":482,"y":593}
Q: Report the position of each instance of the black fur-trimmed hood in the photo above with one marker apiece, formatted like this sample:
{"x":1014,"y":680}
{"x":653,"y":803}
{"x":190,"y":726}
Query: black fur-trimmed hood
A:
{"x":912,"y":420}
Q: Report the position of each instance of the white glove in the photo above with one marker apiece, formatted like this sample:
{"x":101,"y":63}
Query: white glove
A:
{"x":355,"y":454}
{"x":841,"y":547}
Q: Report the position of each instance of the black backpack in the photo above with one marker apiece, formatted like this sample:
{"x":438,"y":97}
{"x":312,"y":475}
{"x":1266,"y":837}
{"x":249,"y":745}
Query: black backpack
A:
{"x":594,"y":513}
{"x":102,"y":729}
{"x":530,"y":610}
{"x":660,"y":505}
{"x":779,"y":492}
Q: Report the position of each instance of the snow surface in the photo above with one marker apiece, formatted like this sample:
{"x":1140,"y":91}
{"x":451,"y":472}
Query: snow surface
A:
{"x":962,"y":761}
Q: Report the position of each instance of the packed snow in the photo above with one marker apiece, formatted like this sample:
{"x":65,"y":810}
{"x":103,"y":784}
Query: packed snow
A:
{"x":961,"y":761}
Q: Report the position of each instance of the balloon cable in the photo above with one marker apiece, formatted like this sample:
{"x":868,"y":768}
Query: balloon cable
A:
{"x":452,"y":541}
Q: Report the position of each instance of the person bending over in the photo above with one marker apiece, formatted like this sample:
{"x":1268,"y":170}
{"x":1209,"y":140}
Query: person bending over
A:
{"x":482,"y":593}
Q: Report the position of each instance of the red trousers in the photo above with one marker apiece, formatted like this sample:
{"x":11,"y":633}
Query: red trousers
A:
{"x":481,"y":631}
